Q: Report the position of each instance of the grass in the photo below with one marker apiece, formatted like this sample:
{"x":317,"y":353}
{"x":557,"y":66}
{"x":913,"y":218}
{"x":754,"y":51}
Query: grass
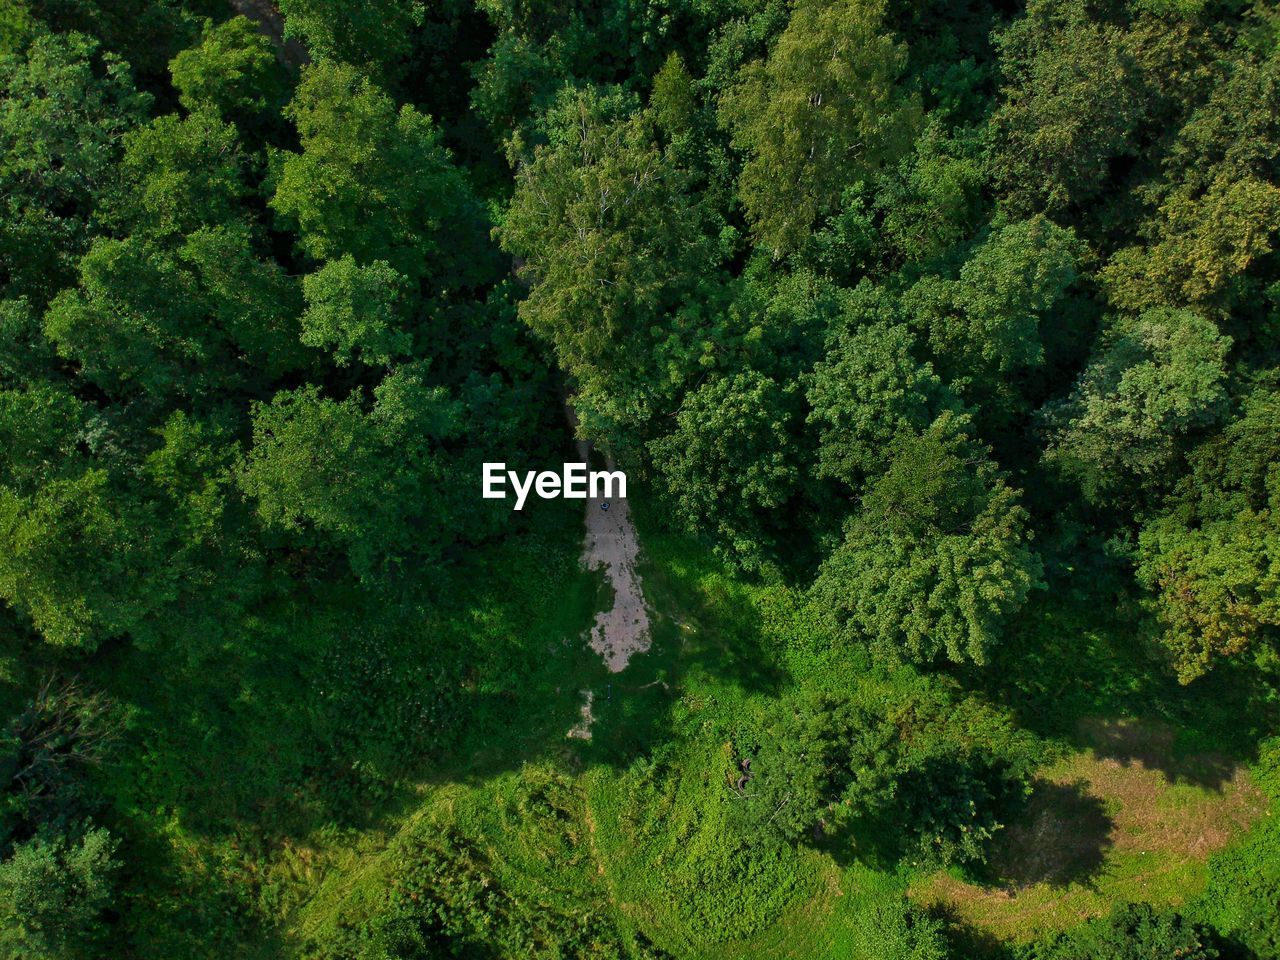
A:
{"x":641,"y":832}
{"x":263,"y":791}
{"x":1128,"y":819}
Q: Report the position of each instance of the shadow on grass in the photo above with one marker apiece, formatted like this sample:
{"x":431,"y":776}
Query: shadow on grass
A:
{"x":1067,"y":662}
{"x":1153,"y":745}
{"x":1061,"y":838}
{"x":968,"y":941}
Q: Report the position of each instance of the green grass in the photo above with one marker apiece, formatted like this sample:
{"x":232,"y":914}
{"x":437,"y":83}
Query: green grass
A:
{"x":1105,"y":826}
{"x":265,"y":792}
{"x":641,"y":828}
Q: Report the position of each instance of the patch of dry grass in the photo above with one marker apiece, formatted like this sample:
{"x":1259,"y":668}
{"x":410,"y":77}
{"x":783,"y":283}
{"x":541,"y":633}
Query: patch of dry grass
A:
{"x":1126,"y":819}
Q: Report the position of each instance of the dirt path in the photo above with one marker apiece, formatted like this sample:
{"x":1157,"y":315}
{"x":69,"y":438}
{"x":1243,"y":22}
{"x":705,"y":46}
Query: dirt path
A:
{"x":611,"y":545}
{"x":582,"y":729}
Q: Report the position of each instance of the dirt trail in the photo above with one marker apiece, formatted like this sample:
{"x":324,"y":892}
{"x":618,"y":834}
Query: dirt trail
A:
{"x":611,"y":544}
{"x":582,"y":729}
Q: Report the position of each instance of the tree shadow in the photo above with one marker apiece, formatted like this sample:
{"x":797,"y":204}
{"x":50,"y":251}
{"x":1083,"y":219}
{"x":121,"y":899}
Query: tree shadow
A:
{"x":968,"y":941}
{"x":707,"y":617}
{"x":1062,"y":837}
{"x":1153,"y":745}
{"x":1069,"y":662}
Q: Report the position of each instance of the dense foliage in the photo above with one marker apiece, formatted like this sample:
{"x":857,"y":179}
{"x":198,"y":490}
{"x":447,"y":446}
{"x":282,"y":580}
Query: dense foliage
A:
{"x":932,"y":324}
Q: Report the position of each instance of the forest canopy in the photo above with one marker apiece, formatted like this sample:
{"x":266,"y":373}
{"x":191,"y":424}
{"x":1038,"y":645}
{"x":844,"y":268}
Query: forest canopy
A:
{"x":940,"y":343}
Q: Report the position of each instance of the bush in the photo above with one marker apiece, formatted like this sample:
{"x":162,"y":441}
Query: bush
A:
{"x":1134,"y":931}
{"x":53,"y":891}
{"x":1242,"y":897}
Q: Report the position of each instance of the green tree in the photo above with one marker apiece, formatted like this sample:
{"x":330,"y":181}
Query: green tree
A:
{"x":822,"y":111}
{"x":233,"y":72}
{"x":145,"y":33}
{"x":1154,"y":381}
{"x":1212,"y":558}
{"x":821,"y":763}
{"x":1133,"y":931}
{"x":374,"y":35}
{"x":25,"y":354}
{"x":179,"y":174}
{"x":374,"y":483}
{"x":1213,"y":211}
{"x":932,"y":200}
{"x":375,"y":183}
{"x":868,"y":390}
{"x":983,"y":327}
{"x":64,"y":110}
{"x":616,"y":252}
{"x":937,"y":556}
{"x":1205,"y":244}
{"x":352,"y":310}
{"x":74,"y":560}
{"x":726,"y":465}
{"x":53,"y":890}
{"x":1085,"y":84}
{"x":46,"y":748}
{"x":177,"y":322}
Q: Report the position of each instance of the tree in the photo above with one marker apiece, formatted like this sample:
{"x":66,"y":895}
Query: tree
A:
{"x":1084,"y":85}
{"x":177,"y":321}
{"x":726,"y":464}
{"x":1153,"y":383}
{"x":53,"y":890}
{"x":377,"y":184}
{"x":822,"y":111}
{"x":868,"y":390}
{"x":233,"y":73}
{"x":63,"y":113}
{"x":180,"y":174}
{"x":40,"y":427}
{"x":964,"y":770}
{"x":1071,"y":103}
{"x":1212,"y":558}
{"x":145,"y":33}
{"x":617,"y":254}
{"x":1133,"y":931}
{"x":375,"y":35}
{"x":983,"y":327}
{"x":937,"y":556}
{"x":25,"y":355}
{"x":376,"y":484}
{"x":1213,"y":212}
{"x":933,"y":199}
{"x":45,"y":750}
{"x":73,"y":559}
{"x":351,"y":310}
{"x":821,"y":763}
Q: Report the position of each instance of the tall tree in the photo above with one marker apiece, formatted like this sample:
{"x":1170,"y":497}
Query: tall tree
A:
{"x":616,"y":252}
{"x":53,"y":891}
{"x":232,"y":73}
{"x":823,"y":110}
{"x":1212,"y":558}
{"x":937,"y":556}
{"x":64,"y":111}
{"x":376,"y":183}
{"x":378,"y":484}
{"x":375,"y":35}
{"x":727,"y":466}
{"x":869,"y":390}
{"x":1154,"y":381}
